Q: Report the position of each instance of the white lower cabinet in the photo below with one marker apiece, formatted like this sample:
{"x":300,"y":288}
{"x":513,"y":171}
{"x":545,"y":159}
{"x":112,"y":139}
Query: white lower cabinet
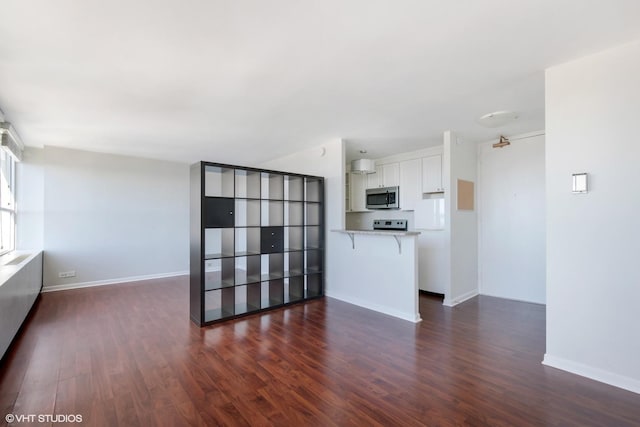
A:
{"x":431,"y":261}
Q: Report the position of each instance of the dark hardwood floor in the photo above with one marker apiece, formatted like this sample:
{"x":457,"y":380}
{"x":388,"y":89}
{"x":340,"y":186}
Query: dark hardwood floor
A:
{"x":128,"y":355}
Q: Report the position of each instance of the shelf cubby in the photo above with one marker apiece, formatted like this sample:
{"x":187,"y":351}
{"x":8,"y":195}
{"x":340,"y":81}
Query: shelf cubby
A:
{"x":271,"y":239}
{"x":293,"y":213}
{"x":213,"y":305}
{"x":294,"y":289}
{"x":272,"y":293}
{"x":256,"y":240}
{"x":293,"y":238}
{"x":218,"y":212}
{"x":247,"y":269}
{"x":247,"y":184}
{"x":312,"y":213}
{"x":313,"y":189}
{"x":247,"y":241}
{"x":272,"y":186}
{"x":247,"y":298}
{"x":312,"y":237}
{"x":219,"y":304}
{"x":272,"y":213}
{"x":218,"y":273}
{"x":218,"y":243}
{"x":276,"y":292}
{"x":294,"y":263}
{"x":218,"y":181}
{"x":247,"y":213}
{"x":312,"y":261}
{"x":272,"y":266}
{"x":313,"y":285}
{"x":294,"y":188}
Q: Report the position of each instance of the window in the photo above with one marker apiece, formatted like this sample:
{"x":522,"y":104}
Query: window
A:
{"x":7,"y":203}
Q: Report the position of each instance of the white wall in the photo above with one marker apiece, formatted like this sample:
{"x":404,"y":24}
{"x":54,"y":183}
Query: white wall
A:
{"x":30,"y":200}
{"x":593,"y":239}
{"x":511,"y":219}
{"x":460,"y":162}
{"x":108,"y":217}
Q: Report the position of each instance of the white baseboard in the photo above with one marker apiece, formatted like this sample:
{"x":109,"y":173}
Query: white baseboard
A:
{"x":375,"y":307}
{"x":452,"y":302}
{"x":511,"y":299}
{"x":54,"y":288}
{"x":590,"y":372}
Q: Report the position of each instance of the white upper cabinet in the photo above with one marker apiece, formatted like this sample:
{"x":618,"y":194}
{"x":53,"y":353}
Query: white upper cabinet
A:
{"x":391,"y":175}
{"x":387,"y":175}
{"x":414,"y":176}
{"x":432,"y":174}
{"x":375,"y":179}
{"x":410,"y":184}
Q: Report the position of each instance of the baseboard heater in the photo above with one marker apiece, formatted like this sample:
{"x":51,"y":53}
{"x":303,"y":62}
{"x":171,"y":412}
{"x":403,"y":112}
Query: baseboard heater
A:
{"x":20,"y":284}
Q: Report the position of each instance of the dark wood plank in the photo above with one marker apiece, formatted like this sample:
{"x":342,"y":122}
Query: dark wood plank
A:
{"x":129,"y":355}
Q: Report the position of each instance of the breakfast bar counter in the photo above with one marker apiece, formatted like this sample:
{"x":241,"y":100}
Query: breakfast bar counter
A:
{"x":396,"y":234}
{"x":382,"y":270}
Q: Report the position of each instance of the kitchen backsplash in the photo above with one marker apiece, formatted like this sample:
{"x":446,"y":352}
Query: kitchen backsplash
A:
{"x":364,"y":220}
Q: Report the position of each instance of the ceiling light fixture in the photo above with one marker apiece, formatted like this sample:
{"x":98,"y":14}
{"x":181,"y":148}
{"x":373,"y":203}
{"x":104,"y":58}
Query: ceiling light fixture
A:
{"x":363,"y":166}
{"x":497,"y":119}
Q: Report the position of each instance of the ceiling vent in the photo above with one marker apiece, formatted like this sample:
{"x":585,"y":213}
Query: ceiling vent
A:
{"x":363,"y":166}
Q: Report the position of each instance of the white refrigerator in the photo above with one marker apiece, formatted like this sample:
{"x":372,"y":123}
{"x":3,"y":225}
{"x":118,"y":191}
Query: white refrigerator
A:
{"x":429,"y":219}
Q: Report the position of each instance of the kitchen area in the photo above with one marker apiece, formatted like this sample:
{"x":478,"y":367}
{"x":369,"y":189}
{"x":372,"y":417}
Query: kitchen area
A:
{"x":398,"y":223}
{"x":414,"y":179}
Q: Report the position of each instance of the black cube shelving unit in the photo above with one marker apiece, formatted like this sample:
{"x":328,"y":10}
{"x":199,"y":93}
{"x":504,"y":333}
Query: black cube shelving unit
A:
{"x":256,"y":240}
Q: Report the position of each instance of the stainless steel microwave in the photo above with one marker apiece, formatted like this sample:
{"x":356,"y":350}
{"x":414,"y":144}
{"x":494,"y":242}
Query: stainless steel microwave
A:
{"x":383,"y":198}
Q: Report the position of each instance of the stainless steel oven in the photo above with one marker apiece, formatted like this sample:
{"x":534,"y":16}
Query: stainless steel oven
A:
{"x":383,"y":198}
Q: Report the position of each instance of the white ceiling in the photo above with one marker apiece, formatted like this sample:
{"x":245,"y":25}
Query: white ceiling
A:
{"x":243,"y":81}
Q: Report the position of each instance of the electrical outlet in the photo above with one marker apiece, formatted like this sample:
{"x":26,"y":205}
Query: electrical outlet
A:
{"x":65,"y":274}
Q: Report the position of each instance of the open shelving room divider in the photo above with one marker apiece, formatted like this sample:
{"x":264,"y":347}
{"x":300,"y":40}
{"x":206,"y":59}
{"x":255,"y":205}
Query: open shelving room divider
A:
{"x":257,"y":240}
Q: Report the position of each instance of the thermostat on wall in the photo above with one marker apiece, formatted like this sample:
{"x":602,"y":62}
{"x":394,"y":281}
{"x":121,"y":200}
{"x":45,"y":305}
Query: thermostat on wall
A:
{"x":580,"y":183}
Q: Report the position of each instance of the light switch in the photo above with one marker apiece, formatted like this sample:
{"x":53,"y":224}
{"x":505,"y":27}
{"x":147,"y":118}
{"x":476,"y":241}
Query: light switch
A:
{"x":580,"y":183}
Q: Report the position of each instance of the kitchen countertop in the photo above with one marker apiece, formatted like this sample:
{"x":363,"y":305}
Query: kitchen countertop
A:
{"x":380,"y":232}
